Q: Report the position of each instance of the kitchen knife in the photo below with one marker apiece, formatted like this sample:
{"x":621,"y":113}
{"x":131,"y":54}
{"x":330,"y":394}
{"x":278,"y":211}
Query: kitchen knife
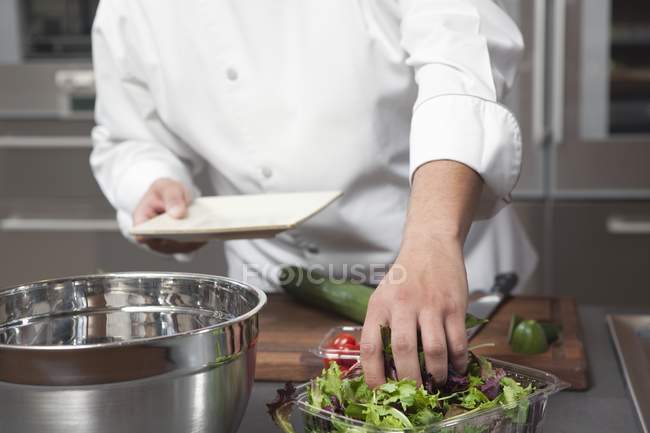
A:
{"x":484,"y":306}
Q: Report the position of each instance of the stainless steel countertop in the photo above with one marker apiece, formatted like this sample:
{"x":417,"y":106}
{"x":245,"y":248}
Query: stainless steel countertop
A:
{"x":606,"y":407}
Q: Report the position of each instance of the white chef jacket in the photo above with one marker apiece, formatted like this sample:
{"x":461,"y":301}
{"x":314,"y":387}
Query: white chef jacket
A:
{"x":308,"y":95}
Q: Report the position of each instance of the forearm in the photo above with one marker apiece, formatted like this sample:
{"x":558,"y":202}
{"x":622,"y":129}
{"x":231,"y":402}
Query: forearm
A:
{"x":443,"y":200}
{"x":427,"y":286}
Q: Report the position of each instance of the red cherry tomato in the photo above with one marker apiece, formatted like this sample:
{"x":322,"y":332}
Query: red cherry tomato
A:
{"x":344,"y":341}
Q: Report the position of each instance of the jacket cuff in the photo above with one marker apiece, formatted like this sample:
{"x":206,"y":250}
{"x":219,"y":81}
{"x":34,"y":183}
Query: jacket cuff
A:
{"x":476,"y":132}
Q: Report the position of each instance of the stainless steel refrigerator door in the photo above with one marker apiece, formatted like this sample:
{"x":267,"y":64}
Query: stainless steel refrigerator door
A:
{"x":10,"y":37}
{"x":594,"y":155}
{"x":527,"y":98}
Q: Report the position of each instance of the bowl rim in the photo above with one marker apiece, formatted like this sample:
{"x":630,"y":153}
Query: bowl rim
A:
{"x":262,"y":300}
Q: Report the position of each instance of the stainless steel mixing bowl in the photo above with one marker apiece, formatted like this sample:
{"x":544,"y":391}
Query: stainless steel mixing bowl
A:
{"x":130,"y":352}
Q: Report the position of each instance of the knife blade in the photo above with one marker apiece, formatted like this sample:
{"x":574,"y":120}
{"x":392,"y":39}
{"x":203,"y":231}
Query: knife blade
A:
{"x":485,"y":306}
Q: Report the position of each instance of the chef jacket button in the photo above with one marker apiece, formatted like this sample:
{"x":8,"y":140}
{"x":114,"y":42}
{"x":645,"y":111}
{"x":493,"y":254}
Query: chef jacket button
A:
{"x":231,"y":74}
{"x":312,"y":249}
{"x":267,"y":172}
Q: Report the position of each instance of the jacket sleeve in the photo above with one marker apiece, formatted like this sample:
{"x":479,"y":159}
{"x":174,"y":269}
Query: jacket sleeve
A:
{"x":465,"y":55}
{"x":132,"y":147}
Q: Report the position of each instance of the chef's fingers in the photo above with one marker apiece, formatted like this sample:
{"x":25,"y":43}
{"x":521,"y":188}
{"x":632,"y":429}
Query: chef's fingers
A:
{"x":175,"y":198}
{"x":434,"y":345}
{"x":150,"y":206}
{"x":404,"y":343}
{"x":372,"y":355}
{"x":143,"y":213}
{"x":457,"y":340}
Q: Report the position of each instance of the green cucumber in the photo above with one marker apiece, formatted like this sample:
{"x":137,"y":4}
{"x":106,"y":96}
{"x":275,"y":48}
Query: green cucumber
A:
{"x":345,"y":298}
{"x":310,"y":287}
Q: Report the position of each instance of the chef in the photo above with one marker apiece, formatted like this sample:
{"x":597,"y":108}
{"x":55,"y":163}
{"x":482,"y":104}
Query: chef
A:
{"x":394,"y":102}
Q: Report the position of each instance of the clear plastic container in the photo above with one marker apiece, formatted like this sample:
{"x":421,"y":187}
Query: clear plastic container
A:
{"x":516,"y":418}
{"x":327,"y":352}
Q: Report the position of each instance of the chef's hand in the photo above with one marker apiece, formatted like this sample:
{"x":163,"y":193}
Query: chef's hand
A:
{"x":426,"y":288}
{"x":170,"y":196}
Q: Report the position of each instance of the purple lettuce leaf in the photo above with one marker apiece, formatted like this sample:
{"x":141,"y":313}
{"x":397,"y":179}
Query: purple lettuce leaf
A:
{"x":456,"y":382}
{"x":492,"y":386}
{"x":336,"y":405}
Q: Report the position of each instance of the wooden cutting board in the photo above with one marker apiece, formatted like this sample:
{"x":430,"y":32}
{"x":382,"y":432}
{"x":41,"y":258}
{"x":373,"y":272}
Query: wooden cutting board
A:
{"x":289,"y":331}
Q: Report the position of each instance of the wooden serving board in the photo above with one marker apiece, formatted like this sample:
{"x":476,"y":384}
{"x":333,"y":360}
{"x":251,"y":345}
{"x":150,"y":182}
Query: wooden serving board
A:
{"x":290,"y":331}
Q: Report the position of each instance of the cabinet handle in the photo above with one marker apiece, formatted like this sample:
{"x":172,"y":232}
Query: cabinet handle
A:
{"x":619,"y":225}
{"x":539,"y":125}
{"x":558,"y":41}
{"x":73,"y":84}
{"x":13,"y":224}
{"x":75,"y":81}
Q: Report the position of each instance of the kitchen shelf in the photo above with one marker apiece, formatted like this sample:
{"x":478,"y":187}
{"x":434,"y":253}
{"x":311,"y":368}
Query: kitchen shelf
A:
{"x":39,"y":142}
{"x":58,"y":225}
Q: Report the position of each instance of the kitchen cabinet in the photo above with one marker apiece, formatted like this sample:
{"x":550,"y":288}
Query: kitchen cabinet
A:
{"x":601,"y":100}
{"x":43,"y":91}
{"x":601,"y":252}
{"x":48,"y":174}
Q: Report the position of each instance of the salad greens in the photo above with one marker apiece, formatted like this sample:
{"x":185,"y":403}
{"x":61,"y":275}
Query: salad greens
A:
{"x":401,"y":404}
